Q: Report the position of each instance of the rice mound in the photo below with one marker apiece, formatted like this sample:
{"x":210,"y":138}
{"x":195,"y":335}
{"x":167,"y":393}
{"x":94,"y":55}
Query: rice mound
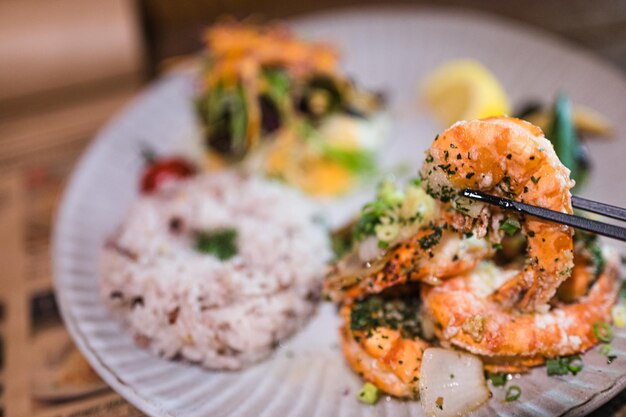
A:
{"x":180,"y":302}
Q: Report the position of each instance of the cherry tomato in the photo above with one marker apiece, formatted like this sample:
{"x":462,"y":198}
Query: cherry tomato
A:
{"x":165,"y":170}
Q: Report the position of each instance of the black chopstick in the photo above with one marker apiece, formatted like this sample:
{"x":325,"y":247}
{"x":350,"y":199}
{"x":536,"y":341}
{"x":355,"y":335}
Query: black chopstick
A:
{"x":599,"y":208}
{"x":582,"y":223}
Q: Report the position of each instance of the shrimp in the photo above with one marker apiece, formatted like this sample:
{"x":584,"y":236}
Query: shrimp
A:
{"x":509,"y":157}
{"x":434,"y":253}
{"x":386,"y":353}
{"x":466,"y":316}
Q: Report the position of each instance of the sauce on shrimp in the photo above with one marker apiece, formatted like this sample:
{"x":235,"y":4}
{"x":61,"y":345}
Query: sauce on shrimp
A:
{"x":509,"y":157}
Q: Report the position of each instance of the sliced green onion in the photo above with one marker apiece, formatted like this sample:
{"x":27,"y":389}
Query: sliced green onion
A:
{"x":513,"y":393}
{"x":575,"y":364}
{"x":221,"y":243}
{"x":510,"y":226}
{"x":564,"y":366}
{"x":368,"y":394}
{"x":556,"y":367}
{"x":498,"y":379}
{"x":603,"y":331}
{"x":607,"y":350}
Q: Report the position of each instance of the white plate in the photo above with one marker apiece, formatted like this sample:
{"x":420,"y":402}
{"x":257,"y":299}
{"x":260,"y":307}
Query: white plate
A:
{"x":389,"y":49}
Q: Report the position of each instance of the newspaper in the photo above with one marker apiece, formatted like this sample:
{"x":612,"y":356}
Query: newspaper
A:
{"x":41,"y":371}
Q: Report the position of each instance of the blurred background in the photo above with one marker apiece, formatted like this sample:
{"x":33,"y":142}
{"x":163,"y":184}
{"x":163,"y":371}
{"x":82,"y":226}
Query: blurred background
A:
{"x":66,"y":67}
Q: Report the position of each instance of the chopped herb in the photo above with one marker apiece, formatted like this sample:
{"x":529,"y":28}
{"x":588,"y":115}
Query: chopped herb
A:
{"x":564,"y":365}
{"x":535,"y":180}
{"x":458,"y":156}
{"x":469,"y":175}
{"x":497,"y":246}
{"x":575,"y":365}
{"x":222,"y":243}
{"x":510,"y":226}
{"x":531,"y":233}
{"x":509,"y":156}
{"x":368,"y":394}
{"x":430,"y":240}
{"x":498,"y":379}
{"x":603,"y":331}
{"x":513,"y":393}
{"x":394,"y":313}
{"x":607,"y":350}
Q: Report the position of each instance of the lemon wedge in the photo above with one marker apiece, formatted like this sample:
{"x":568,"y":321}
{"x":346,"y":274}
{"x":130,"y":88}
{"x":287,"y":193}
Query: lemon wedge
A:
{"x":464,"y":90}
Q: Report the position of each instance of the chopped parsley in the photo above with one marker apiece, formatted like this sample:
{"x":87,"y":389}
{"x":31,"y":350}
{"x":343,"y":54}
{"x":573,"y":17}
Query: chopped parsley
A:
{"x":394,"y":313}
{"x":394,"y":213}
{"x":432,"y":239}
{"x":221,"y":243}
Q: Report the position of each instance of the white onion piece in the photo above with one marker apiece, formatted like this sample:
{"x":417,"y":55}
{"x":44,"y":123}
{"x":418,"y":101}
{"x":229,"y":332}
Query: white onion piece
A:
{"x":452,"y":383}
{"x":369,"y":250}
{"x":428,"y":326}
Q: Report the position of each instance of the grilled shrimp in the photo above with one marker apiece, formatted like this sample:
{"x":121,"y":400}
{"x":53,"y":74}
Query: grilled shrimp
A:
{"x":466,"y":316}
{"x":384,"y":351}
{"x":434,"y":253}
{"x":508,"y":157}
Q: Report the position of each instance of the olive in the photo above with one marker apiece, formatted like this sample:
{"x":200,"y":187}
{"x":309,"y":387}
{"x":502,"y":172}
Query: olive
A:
{"x":320,"y":97}
{"x":270,"y":115}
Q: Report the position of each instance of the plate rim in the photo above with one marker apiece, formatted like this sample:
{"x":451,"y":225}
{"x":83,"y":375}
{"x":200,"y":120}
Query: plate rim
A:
{"x":149,"y":405}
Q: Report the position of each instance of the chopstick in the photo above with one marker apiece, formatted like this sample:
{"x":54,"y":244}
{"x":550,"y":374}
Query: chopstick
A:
{"x":582,"y":223}
{"x":607,"y":210}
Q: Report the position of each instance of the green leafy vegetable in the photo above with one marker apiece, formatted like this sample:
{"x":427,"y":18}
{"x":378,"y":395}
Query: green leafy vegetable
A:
{"x":563,"y":135}
{"x":224,"y":113}
{"x":221,"y":243}
{"x":278,"y":83}
{"x":355,"y":160}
